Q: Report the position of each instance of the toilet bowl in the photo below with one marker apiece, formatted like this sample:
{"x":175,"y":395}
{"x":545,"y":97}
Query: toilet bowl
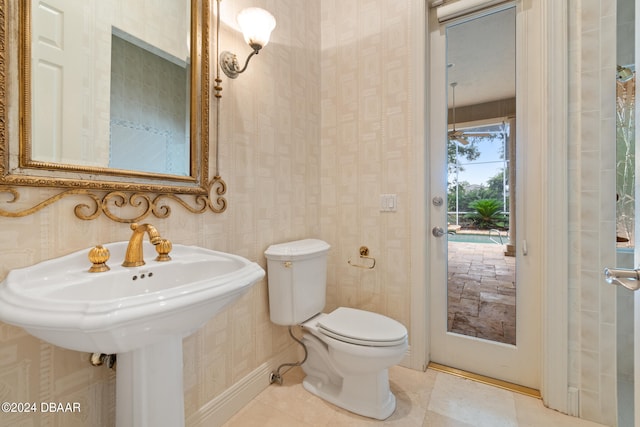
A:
{"x":347,"y":365}
{"x":349,"y":351}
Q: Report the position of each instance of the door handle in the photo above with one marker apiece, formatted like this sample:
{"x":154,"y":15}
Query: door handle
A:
{"x":628,"y":278}
{"x":437,"y":231}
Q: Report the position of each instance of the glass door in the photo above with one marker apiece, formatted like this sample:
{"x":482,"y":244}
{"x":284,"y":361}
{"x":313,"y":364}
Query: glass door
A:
{"x":484,"y":307}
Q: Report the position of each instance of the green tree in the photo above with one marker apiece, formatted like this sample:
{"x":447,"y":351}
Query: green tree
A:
{"x":496,"y":189}
{"x":456,"y":151}
{"x":495,"y":186}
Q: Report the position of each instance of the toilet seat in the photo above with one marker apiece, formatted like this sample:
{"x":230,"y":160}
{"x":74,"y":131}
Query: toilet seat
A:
{"x":361,"y":327}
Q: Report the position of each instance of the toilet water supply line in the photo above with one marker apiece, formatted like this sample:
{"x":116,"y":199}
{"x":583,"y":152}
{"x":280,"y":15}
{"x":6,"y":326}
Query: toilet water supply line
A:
{"x":99,"y":359}
{"x":275,"y":376}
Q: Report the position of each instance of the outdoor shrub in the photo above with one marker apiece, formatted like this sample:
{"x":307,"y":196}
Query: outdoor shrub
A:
{"x":487,"y":214}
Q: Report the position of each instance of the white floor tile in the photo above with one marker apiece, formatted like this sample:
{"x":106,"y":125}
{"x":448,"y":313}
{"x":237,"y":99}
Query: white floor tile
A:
{"x":427,"y":399}
{"x":473,"y":403}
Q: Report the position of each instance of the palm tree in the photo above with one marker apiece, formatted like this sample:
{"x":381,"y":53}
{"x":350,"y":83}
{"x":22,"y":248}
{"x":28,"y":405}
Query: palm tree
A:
{"x":488,"y":214}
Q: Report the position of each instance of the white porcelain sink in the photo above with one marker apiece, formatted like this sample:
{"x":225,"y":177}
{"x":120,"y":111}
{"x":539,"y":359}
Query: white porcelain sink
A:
{"x":141,"y":313}
{"x":125,"y":308}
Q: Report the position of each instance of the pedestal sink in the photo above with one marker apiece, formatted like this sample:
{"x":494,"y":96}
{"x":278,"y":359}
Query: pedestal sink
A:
{"x":140,"y":313}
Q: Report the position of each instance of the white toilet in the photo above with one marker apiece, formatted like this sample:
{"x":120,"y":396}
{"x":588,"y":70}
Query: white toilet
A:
{"x":349,"y":350}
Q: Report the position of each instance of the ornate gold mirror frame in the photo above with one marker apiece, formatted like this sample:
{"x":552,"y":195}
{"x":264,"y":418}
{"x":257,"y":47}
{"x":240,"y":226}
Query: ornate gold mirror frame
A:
{"x":123,"y":196}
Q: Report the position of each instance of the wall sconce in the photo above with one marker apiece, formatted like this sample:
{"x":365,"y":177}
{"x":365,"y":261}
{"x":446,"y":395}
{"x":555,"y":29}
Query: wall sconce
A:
{"x":256,"y":25}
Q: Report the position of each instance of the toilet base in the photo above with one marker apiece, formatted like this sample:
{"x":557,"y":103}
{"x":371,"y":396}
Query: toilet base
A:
{"x":367,"y":394}
{"x":362,"y":404}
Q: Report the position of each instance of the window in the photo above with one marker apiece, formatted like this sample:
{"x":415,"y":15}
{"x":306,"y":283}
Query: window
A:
{"x":479,"y":170}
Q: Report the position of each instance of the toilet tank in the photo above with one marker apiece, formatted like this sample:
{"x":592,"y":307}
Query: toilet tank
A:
{"x":297,"y":280}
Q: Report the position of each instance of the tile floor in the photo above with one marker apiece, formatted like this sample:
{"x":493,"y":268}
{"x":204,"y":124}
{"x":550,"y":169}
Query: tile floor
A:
{"x":482,"y":291}
{"x":427,"y":399}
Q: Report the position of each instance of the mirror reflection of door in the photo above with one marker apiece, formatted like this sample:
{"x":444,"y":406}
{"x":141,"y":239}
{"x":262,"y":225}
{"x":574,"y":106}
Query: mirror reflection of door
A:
{"x":149,"y":108}
{"x":111,"y":86}
{"x":481,"y":150}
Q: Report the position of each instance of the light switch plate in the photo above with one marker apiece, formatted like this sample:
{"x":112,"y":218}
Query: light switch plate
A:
{"x":388,"y":202}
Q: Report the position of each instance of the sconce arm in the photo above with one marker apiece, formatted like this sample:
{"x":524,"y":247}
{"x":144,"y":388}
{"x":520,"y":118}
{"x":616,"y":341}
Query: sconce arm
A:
{"x":255,"y":52}
{"x":229,"y":62}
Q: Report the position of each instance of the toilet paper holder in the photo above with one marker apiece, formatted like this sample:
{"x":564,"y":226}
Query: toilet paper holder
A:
{"x":364,"y":254}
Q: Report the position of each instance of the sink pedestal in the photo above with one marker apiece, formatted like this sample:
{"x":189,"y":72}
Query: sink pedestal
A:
{"x":149,"y":391}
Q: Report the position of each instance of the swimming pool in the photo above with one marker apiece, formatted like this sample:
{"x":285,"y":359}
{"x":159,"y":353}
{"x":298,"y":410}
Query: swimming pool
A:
{"x":478,"y":238}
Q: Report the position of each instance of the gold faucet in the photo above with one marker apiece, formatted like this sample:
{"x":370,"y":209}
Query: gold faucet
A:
{"x":133,"y":257}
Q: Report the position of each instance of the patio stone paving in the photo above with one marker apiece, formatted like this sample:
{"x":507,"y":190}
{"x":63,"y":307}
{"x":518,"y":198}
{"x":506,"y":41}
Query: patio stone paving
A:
{"x":482,"y":291}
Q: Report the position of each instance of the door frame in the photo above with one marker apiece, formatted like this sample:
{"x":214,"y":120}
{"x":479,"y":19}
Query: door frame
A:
{"x":554,"y":111}
{"x":544,"y":112}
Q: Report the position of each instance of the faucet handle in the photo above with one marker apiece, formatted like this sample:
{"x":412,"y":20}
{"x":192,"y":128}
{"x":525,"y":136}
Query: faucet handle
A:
{"x":99,"y":257}
{"x":163,"y":248}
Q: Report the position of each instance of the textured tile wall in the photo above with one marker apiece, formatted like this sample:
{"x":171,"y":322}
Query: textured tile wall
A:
{"x":367,"y":150}
{"x":592,"y":328}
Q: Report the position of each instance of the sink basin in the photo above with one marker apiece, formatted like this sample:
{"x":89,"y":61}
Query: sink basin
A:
{"x":140,"y":313}
{"x":124,"y":308}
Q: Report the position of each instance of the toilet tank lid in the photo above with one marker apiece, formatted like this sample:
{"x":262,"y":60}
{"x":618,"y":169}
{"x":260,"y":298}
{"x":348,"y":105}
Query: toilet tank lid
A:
{"x":296,"y":249}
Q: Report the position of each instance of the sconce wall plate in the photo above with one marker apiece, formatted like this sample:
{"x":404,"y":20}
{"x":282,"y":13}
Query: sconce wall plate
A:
{"x":229,"y":64}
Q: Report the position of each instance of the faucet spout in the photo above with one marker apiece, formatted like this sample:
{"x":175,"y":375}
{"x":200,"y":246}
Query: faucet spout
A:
{"x":134,"y":257}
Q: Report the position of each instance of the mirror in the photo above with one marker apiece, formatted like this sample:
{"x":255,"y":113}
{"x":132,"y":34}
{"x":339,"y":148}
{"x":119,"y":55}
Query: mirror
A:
{"x":115,"y":107}
{"x":625,"y":137}
{"x":112,"y":76}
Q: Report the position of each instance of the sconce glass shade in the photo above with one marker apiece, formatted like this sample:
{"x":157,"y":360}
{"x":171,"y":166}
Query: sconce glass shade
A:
{"x":256,"y":25}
